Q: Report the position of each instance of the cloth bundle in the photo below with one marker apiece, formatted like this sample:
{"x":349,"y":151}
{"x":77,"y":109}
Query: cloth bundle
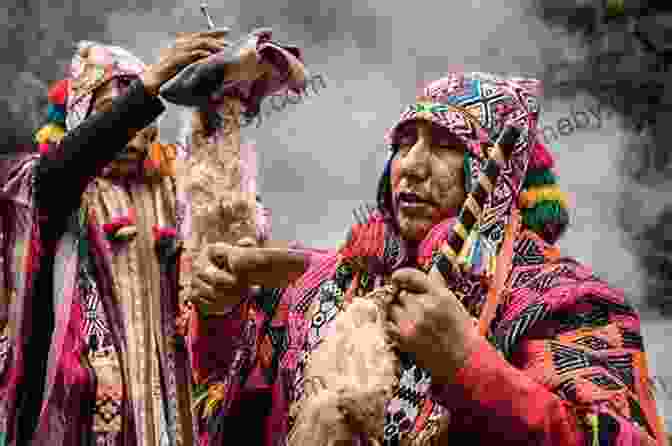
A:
{"x":226,"y":73}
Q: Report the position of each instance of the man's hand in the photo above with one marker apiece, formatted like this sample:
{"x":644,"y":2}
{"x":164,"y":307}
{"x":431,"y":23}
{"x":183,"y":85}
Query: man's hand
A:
{"x":228,"y":271}
{"x":188,"y":48}
{"x":429,"y":321}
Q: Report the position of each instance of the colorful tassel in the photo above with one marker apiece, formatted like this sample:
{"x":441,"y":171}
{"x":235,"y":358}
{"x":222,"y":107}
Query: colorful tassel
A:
{"x":58,"y":93}
{"x":539,"y":177}
{"x":56,"y":114}
{"x":594,"y":423}
{"x":540,"y":157}
{"x":467,"y":171}
{"x":44,"y":148}
{"x":164,"y":233}
{"x":122,"y":228}
{"x":216,"y":394}
{"x":51,"y":132}
{"x":543,"y":214}
{"x":161,"y":159}
{"x":464,"y":257}
{"x":529,"y":198}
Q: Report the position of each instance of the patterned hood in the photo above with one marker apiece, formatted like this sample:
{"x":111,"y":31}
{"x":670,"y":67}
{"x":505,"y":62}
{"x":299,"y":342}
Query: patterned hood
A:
{"x":92,"y":66}
{"x":70,"y":99}
{"x":478,"y":108}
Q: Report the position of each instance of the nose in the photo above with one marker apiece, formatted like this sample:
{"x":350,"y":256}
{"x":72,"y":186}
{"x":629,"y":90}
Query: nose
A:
{"x":416,"y":162}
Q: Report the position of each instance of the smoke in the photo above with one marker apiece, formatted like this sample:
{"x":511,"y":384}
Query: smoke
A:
{"x":321,"y":158}
{"x":625,"y":65}
{"x":38,"y":40}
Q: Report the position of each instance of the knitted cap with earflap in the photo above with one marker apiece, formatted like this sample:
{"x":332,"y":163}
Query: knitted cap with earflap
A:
{"x":70,"y":99}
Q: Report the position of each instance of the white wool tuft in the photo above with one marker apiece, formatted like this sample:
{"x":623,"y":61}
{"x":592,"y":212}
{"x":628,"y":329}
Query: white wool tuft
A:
{"x":349,"y":379}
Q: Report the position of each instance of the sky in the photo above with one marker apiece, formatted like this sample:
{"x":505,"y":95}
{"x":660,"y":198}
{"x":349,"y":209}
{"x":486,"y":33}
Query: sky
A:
{"x":322,"y":157}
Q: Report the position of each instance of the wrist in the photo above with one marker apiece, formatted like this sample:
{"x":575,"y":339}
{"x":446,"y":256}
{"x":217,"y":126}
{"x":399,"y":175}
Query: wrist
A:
{"x":151,"y":82}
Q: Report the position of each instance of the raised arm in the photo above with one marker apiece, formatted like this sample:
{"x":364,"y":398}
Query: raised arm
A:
{"x":63,"y":173}
{"x":112,"y":118}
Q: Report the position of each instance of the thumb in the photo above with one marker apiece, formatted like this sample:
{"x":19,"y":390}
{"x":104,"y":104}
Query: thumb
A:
{"x":412,"y":280}
{"x":436,"y":278}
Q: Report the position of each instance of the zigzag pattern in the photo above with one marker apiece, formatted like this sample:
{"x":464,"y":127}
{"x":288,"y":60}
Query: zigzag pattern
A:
{"x":604,"y":381}
{"x":567,"y":359}
{"x":519,"y":326}
{"x":593,"y":342}
{"x":527,"y":253}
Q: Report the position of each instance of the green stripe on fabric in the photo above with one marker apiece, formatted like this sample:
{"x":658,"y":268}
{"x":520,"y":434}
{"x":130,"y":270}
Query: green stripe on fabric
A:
{"x":543,"y":213}
{"x":467,"y":171}
{"x":539,"y":177}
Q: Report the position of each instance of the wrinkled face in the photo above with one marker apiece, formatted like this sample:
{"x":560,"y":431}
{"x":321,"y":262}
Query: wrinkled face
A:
{"x":138,"y":147}
{"x":427,"y":176}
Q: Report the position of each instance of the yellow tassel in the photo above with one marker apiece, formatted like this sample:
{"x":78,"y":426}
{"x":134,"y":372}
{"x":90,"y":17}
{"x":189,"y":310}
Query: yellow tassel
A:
{"x":492,"y":265}
{"x":465,"y":252}
{"x":216,"y":394}
{"x":595,"y":425}
{"x":50,"y":133}
{"x":530,"y":197}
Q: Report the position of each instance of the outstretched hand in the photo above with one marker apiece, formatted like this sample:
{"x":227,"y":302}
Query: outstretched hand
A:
{"x":428,"y":321}
{"x":187,"y":48}
{"x":229,"y":270}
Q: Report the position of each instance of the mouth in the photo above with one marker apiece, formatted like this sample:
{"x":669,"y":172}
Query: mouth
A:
{"x":410,"y":200}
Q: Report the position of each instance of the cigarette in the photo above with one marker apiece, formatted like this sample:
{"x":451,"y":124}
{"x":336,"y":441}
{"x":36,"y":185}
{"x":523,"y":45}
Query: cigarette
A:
{"x":204,"y":10}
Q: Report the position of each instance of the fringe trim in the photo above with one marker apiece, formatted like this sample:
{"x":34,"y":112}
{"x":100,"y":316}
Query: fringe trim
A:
{"x":531,"y":197}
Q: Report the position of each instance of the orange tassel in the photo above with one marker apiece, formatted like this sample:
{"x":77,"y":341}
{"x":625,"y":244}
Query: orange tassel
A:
{"x":350,"y":293}
{"x":162,"y":158}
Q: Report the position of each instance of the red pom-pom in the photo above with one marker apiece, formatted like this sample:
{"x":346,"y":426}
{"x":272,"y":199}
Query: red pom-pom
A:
{"x":58,"y":93}
{"x":540,"y":158}
{"x":44,"y":148}
{"x":165,"y":232}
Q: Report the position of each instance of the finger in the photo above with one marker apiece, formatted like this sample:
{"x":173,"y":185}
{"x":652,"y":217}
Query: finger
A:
{"x":217,"y":33}
{"x":392,"y":333}
{"x":395,"y":313}
{"x":407,"y":298}
{"x":190,"y":57}
{"x":202,"y":290}
{"x":218,"y":253}
{"x":247,"y":242}
{"x":216,"y":277}
{"x":400,"y":326}
{"x":412,"y":280}
{"x":212,"y":45}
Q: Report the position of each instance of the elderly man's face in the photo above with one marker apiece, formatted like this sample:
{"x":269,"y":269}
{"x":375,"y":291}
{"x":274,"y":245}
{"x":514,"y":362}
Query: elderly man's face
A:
{"x":427,"y":177}
{"x":137,"y":148}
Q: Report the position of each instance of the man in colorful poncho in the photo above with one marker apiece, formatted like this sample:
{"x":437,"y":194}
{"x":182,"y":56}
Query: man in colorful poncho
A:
{"x":556,"y":357}
{"x":89,"y":352}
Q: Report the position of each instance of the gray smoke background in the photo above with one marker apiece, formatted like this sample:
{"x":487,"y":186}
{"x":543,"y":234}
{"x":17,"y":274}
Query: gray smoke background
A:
{"x":322,"y":157}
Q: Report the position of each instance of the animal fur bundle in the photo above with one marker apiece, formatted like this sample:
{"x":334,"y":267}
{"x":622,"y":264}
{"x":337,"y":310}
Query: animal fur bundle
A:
{"x":216,"y":180}
{"x":349,"y":378}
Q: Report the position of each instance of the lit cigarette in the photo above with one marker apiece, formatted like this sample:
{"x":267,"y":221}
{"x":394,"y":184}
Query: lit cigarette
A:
{"x":204,"y":10}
